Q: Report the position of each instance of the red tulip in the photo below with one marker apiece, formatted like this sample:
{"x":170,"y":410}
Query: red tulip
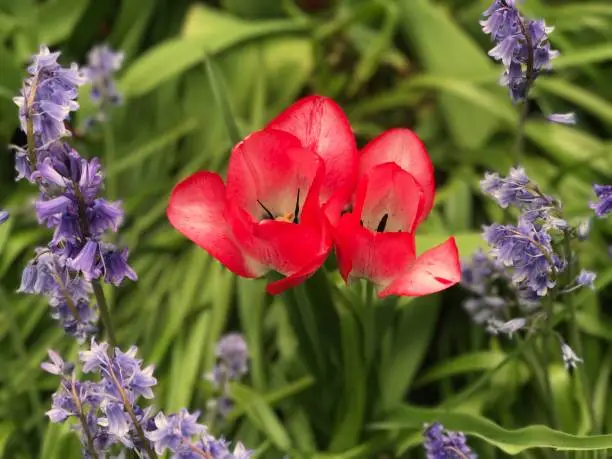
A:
{"x":269,"y":215}
{"x":375,"y":240}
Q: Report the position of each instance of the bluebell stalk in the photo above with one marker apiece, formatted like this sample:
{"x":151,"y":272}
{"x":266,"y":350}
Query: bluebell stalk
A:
{"x":442,"y":444}
{"x":110,"y":415}
{"x":523,"y":47}
{"x":69,"y":202}
{"x":529,"y":264}
{"x":4,"y":216}
{"x":232,"y":364}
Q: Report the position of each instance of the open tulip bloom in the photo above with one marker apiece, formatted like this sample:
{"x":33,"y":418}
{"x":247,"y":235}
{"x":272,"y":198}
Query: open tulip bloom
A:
{"x":299,"y":187}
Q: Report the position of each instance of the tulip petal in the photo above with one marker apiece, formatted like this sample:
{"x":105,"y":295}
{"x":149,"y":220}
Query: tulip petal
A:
{"x":388,"y":192}
{"x":433,"y":271}
{"x":379,"y":257}
{"x":403,"y":147}
{"x":197,"y":209}
{"x":294,"y":250}
{"x":267,"y":170}
{"x":274,"y":288}
{"x":321,"y":126}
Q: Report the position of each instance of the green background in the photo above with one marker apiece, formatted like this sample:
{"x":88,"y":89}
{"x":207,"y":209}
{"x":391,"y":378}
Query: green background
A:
{"x":421,"y":64}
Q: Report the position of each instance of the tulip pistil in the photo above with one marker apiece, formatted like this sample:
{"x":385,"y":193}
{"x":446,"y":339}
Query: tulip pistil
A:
{"x":291,"y":217}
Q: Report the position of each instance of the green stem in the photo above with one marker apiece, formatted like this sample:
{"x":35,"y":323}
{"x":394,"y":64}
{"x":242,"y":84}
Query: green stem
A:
{"x":529,"y":76}
{"x":537,"y":366}
{"x":109,"y":144}
{"x":519,"y":146}
{"x":545,"y":357}
{"x":576,"y":340}
{"x":486,"y":377}
{"x":369,"y":322}
{"x":104,"y":312}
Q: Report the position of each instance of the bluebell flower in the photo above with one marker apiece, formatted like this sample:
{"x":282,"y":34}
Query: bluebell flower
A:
{"x":102,"y":63}
{"x":232,"y":363}
{"x":48,"y":96}
{"x":520,"y":44}
{"x":510,"y":327}
{"x":604,"y":204}
{"x":115,"y":266}
{"x":583,"y":230}
{"x":527,"y":249}
{"x":171,"y":431}
{"x":519,"y":191}
{"x":68,"y":295}
{"x":584,"y":279}
{"x":480,"y":276}
{"x":4,"y":216}
{"x":233,"y":353}
{"x":570,"y":359}
{"x":562,"y":118}
{"x":57,"y":366}
{"x":442,"y":444}
{"x":109,"y":415}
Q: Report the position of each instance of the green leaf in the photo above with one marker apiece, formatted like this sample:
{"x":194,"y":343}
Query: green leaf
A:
{"x":448,"y":51}
{"x":467,"y":243}
{"x":219,"y":32}
{"x":138,"y":154}
{"x":351,"y":409}
{"x":410,"y":341}
{"x":595,"y":326}
{"x":219,"y":90}
{"x":159,"y":64}
{"x":6,"y":429}
{"x":465,"y":363}
{"x":510,"y":441}
{"x":278,"y":395}
{"x":580,"y":97}
{"x":582,"y":56}
{"x":262,"y":416}
{"x":59,"y":19}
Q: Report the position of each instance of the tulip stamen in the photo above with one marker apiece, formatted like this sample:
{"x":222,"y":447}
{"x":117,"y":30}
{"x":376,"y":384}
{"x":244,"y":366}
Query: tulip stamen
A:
{"x":383,"y":223}
{"x":269,"y":215}
{"x":297,"y":208}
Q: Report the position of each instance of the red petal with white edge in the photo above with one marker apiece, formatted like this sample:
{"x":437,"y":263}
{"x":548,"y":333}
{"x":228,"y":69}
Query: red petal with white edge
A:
{"x":197,"y":209}
{"x":379,"y":257}
{"x":389,"y":192}
{"x":435,"y":270}
{"x":403,"y":147}
{"x":322,"y":126}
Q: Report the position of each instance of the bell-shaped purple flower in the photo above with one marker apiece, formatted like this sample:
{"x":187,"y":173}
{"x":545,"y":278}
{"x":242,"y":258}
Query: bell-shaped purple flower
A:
{"x":104,"y":215}
{"x":87,"y":260}
{"x":48,"y":210}
{"x":115,"y":265}
{"x":603,"y":206}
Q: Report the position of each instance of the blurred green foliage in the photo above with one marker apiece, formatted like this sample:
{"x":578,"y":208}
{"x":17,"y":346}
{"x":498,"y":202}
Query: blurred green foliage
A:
{"x":415,"y":63}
